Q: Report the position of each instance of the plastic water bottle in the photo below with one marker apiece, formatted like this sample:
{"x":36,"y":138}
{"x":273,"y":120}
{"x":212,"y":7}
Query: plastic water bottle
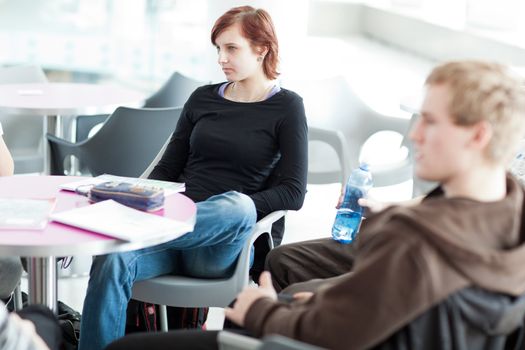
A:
{"x":348,"y":218}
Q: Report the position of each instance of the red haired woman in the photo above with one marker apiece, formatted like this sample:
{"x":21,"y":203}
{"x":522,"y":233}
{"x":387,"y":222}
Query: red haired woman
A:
{"x":240,"y":147}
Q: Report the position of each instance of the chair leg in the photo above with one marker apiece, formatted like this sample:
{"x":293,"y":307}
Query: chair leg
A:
{"x":163,"y":318}
{"x":17,"y":296}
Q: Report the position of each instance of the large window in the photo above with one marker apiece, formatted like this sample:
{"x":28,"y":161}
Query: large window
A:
{"x":139,"y":41}
{"x":501,"y":20}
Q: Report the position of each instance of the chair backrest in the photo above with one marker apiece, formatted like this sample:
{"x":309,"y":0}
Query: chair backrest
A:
{"x":124,"y":146}
{"x":84,"y":125}
{"x":23,"y":134}
{"x":332,"y":105}
{"x":174,"y":93}
{"x":155,"y":161}
{"x":320,"y":170}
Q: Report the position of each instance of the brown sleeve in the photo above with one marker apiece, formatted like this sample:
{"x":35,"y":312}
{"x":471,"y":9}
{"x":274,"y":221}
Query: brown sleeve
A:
{"x":388,"y":287}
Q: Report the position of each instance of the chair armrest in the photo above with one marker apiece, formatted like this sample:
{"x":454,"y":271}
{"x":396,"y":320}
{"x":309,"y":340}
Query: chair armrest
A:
{"x":59,"y":150}
{"x":278,"y":342}
{"x":265,"y":224}
{"x":233,"y":341}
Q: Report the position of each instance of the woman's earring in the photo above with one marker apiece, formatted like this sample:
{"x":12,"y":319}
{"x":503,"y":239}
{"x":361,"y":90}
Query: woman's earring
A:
{"x":259,"y":59}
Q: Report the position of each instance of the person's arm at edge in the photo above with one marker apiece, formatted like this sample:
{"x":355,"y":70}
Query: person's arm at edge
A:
{"x":351,"y":308}
{"x":6,"y":160}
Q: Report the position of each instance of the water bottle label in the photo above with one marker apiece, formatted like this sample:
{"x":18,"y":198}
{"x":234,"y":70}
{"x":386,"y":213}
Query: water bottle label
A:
{"x":348,"y":218}
{"x":346,"y":225}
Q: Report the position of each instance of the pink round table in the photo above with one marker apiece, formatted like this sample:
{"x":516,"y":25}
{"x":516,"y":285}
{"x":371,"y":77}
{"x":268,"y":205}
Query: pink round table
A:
{"x":43,"y":246}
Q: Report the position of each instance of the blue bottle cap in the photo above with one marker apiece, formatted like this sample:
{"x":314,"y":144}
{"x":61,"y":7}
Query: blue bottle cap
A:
{"x":364,"y":166}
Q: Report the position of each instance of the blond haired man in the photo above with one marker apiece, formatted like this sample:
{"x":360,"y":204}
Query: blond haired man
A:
{"x":463,"y":241}
{"x":446,"y":273}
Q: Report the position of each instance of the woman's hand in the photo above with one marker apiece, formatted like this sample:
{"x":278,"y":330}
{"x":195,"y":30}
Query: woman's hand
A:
{"x":341,"y":197}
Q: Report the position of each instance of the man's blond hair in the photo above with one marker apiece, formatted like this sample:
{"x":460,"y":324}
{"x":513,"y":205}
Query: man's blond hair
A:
{"x":484,"y":91}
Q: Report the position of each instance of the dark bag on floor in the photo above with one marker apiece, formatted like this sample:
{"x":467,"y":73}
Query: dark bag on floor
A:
{"x":141,"y":317}
{"x":145,"y":317}
{"x":186,"y":317}
{"x":69,"y":321}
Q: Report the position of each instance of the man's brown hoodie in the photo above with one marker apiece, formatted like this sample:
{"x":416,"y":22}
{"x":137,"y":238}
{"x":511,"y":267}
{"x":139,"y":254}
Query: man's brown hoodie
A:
{"x":408,"y":260}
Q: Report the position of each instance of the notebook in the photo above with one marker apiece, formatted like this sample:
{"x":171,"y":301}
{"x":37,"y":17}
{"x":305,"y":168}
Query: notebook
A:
{"x":116,"y":220}
{"x":25,"y":213}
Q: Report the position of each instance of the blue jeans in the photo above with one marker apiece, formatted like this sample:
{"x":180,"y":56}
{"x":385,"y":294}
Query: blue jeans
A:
{"x":222,"y":226}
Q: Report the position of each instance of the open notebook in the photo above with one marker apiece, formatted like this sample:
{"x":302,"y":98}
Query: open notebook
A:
{"x":116,"y":220}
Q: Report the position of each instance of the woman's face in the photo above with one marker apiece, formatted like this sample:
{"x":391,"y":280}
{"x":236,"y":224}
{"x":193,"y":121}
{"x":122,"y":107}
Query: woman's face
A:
{"x":235,"y":55}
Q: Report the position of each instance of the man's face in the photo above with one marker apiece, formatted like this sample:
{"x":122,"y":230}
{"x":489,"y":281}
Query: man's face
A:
{"x":442,"y":148}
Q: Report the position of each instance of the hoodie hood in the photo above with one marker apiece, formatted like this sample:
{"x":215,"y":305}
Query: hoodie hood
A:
{"x":492,"y":314}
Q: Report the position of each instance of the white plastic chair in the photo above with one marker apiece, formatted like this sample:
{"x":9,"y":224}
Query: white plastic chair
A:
{"x":182,"y":291}
{"x":332,"y":105}
{"x":320,"y":169}
{"x":23,"y":134}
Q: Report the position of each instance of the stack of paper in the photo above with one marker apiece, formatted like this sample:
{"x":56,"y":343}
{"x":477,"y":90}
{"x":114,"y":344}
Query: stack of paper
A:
{"x":25,"y":214}
{"x":116,"y":220}
{"x":168,"y":187}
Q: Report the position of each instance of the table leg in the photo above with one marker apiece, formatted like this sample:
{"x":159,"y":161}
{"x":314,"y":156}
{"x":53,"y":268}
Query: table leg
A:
{"x":64,"y":129}
{"x":47,"y":159}
{"x":42,"y":277}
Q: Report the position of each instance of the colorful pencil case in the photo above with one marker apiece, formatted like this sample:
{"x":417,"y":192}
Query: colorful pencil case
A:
{"x":138,"y":197}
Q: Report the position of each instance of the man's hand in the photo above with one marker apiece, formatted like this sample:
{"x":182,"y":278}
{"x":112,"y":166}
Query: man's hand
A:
{"x":302,"y":296}
{"x":248,"y":296}
{"x":373,"y":205}
{"x":376,"y":206}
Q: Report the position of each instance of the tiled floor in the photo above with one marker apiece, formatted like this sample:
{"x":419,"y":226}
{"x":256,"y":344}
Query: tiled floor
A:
{"x":314,"y":220}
